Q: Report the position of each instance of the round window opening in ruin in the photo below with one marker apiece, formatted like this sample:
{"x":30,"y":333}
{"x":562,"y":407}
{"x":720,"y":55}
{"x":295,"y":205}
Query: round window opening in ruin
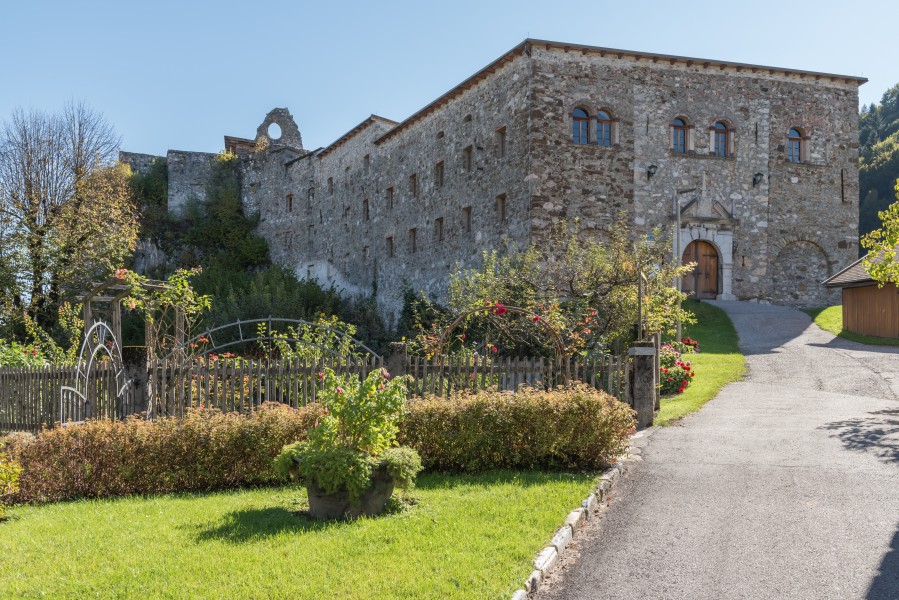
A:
{"x":274,"y":131}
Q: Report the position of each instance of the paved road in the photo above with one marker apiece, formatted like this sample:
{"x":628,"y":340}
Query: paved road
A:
{"x":784,"y":486}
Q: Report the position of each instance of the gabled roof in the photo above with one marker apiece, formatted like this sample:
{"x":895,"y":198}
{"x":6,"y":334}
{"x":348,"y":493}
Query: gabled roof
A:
{"x":525,"y":48}
{"x":852,"y":276}
{"x":355,"y":130}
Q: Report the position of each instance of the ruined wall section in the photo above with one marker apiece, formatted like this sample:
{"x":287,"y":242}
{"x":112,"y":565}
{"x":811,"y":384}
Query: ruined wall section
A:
{"x":139,"y":163}
{"x":189,"y":173}
{"x":748,"y":222}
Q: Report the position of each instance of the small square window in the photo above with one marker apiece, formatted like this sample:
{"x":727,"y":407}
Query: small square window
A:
{"x":501,"y":207}
{"x":467,"y":158}
{"x":501,"y":142}
{"x":466,"y":219}
{"x":438,"y":174}
{"x":389,"y":198}
{"x":438,"y":229}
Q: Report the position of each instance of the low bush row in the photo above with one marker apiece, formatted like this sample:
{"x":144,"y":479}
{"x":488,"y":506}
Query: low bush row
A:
{"x":572,"y":428}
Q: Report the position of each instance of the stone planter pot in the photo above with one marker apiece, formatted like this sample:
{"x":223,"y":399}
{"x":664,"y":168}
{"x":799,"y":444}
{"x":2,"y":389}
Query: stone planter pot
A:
{"x":336,"y":505}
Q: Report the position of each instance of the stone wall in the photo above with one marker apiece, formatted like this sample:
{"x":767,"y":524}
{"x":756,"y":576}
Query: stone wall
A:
{"x":327,"y":235}
{"x":749,"y":218}
{"x":189,"y":173}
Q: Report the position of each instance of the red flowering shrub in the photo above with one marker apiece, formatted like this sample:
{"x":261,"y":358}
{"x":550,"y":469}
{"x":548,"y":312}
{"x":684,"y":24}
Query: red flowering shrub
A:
{"x":675,"y":372}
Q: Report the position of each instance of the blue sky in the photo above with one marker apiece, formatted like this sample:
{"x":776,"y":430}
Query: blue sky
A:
{"x":182,"y":74}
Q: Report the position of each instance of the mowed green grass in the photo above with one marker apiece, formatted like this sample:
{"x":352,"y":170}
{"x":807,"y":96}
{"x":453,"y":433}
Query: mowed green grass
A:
{"x":472,"y":536}
{"x":830,"y":319}
{"x":718,"y":363}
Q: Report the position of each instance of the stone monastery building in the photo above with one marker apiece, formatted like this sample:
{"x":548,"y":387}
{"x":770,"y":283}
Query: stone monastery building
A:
{"x":761,"y":161}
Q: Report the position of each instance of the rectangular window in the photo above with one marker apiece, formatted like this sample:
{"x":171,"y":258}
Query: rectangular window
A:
{"x":365,"y":210}
{"x":793,"y":150}
{"x":311,"y":194}
{"x":413,"y":185}
{"x":501,"y":142}
{"x":346,"y":178}
{"x":365,"y":254}
{"x":389,"y":198}
{"x":438,"y":174}
{"x":501,"y":207}
{"x":366,"y":163}
{"x":310,"y":242}
{"x":330,"y":185}
{"x":289,"y":202}
{"x":390,"y":246}
{"x":346,"y":213}
{"x":438,"y":229}
{"x":466,"y":159}
{"x":466,"y":219}
{"x":413,"y":240}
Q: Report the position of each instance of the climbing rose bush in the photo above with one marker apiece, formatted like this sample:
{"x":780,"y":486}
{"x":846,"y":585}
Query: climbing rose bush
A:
{"x":675,"y":371}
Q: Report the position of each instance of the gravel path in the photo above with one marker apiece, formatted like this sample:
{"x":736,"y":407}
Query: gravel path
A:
{"x":784,"y":486}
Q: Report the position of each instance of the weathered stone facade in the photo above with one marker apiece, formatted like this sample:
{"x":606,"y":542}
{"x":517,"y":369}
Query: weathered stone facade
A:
{"x":493,"y":164}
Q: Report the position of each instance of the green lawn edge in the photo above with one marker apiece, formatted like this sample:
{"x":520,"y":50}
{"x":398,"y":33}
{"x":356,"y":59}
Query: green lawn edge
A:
{"x":468,"y":536}
{"x":830,"y":318}
{"x":718,"y":363}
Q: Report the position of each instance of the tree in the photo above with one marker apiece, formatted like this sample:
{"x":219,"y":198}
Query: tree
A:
{"x":67,"y":216}
{"x":883,"y":244}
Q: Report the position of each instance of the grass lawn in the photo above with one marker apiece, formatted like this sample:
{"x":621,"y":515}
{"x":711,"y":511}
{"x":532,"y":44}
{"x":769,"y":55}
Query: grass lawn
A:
{"x":466,"y":537}
{"x":831,"y":319}
{"x":718,"y":363}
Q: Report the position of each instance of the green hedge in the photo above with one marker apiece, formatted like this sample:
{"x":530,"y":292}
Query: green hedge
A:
{"x":574,"y":428}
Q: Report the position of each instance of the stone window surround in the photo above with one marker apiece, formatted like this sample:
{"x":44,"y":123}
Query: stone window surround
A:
{"x":805,"y":142}
{"x":730,"y":130}
{"x":592,"y":111}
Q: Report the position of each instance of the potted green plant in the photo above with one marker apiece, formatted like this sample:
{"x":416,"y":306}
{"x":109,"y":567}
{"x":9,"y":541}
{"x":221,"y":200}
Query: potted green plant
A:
{"x":348,"y":461}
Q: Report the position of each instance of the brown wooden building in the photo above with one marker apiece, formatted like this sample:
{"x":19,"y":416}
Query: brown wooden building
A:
{"x":867,"y":308}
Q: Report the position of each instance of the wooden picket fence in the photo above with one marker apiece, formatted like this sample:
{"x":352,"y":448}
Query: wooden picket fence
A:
{"x":442,"y":376}
{"x":30,"y":398}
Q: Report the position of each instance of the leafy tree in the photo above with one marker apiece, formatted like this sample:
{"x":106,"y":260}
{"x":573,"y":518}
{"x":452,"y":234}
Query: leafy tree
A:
{"x":66,"y":213}
{"x":883,"y":244}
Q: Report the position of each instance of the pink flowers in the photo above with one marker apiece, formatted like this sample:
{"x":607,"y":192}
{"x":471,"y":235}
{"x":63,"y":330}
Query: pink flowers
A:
{"x":121,"y":273}
{"x":536,"y":318}
{"x":500,"y":309}
{"x":339,"y":390}
{"x":320,"y":375}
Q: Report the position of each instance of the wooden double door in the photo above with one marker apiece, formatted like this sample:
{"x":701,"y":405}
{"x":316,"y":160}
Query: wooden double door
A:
{"x":703,"y":281}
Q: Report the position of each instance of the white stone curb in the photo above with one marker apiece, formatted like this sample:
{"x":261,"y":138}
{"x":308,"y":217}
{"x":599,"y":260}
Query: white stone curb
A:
{"x":549,"y":557}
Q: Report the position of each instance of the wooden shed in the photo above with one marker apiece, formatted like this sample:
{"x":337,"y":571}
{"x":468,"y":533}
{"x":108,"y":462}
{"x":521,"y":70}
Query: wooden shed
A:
{"x":867,"y":308}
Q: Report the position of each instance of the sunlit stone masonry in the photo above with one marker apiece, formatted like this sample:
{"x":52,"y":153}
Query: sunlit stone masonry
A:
{"x":762,"y":163}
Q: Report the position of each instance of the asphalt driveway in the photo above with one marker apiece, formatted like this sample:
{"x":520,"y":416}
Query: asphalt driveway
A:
{"x":784,"y":486}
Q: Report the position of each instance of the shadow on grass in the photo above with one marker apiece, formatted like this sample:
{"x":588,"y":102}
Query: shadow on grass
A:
{"x":878,"y":435}
{"x":252,"y":524}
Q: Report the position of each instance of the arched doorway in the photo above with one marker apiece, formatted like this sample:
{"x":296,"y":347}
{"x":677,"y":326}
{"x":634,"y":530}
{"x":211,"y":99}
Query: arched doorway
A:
{"x":703,"y":281}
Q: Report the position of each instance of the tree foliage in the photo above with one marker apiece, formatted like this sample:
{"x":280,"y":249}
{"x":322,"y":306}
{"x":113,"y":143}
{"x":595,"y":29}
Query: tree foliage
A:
{"x":879,"y":152}
{"x":586,"y":290}
{"x":883,"y":244}
{"x":67,"y":216}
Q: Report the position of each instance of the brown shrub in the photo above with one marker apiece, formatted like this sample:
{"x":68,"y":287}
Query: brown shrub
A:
{"x":206,"y":449}
{"x":576,"y":427}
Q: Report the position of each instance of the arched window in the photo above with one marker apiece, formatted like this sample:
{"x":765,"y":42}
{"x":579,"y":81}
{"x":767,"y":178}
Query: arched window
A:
{"x":794,"y":146}
{"x":720,"y":143}
{"x":679,"y":136}
{"x":580,"y":126}
{"x":603,"y":129}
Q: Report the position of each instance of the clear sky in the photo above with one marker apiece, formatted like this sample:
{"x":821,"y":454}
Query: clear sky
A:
{"x":181,"y":74}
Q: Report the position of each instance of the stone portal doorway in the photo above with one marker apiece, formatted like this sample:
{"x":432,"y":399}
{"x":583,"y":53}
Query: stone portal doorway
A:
{"x":703,"y":281}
